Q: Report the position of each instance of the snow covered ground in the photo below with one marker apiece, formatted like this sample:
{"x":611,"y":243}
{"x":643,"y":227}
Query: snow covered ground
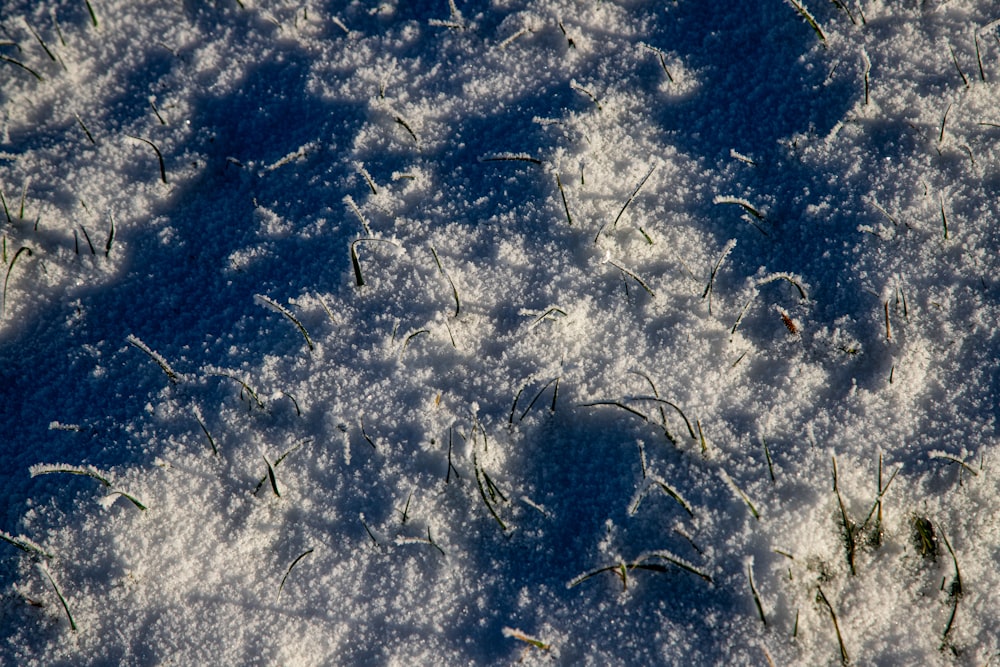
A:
{"x":562,"y":332}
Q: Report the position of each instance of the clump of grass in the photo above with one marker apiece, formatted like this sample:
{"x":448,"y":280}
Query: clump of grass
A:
{"x":488,"y":491}
{"x":289,"y":571}
{"x":278,"y":308}
{"x":924,"y":538}
{"x":172,"y":375}
{"x":875,"y":538}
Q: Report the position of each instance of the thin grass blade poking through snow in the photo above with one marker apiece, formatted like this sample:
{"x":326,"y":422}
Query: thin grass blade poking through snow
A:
{"x":646,"y":561}
{"x":271,"y":478}
{"x":808,"y":18}
{"x":6,"y":281}
{"x":356,"y":262}
{"x":289,"y":571}
{"x":524,"y":637}
{"x":268,"y":302}
{"x":711,"y":279}
{"x":24,"y":544}
{"x":155,"y":356}
{"x":62,"y":600}
{"x":159,"y":156}
{"x":628,"y":201}
{"x":454,"y":290}
{"x":630,"y":274}
{"x":87,"y":471}
{"x":510,"y":157}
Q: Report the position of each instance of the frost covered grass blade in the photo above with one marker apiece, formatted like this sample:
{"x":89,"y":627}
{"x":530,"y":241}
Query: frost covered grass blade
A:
{"x":171,"y":374}
{"x":268,"y":302}
{"x":24,"y":544}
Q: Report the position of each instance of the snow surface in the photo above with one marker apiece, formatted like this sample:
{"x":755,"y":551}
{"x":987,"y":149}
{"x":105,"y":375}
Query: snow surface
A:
{"x":677,"y":340}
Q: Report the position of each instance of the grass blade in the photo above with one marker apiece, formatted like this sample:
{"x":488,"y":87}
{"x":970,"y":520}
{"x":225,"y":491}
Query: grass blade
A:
{"x":155,"y":356}
{"x":804,"y":13}
{"x":278,"y":308}
{"x":25,"y":545}
{"x":289,"y":571}
{"x":45,"y":571}
{"x":454,"y":290}
{"x":86,"y":471}
{"x":6,"y":282}
{"x":159,"y":156}
{"x":756,"y":597}
{"x":820,"y":597}
{"x":22,"y":66}
{"x":632,"y":196}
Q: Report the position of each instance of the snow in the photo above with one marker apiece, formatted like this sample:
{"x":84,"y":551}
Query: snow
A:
{"x":485,"y":331}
